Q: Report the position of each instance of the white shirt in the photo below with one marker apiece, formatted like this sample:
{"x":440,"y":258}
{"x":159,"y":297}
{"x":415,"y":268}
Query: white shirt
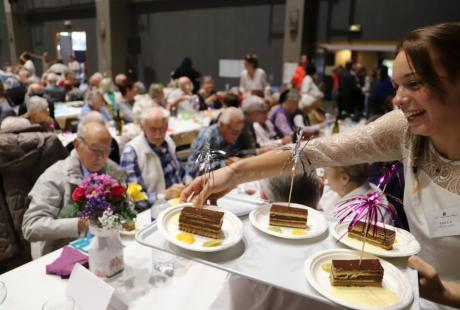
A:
{"x":190,"y":105}
{"x":309,"y":88}
{"x":258,"y":82}
{"x":330,"y":199}
{"x":264,"y":136}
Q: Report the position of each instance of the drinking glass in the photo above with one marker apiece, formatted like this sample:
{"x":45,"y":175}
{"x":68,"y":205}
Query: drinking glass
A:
{"x":60,"y":303}
{"x":163,"y":262}
{"x":3,"y":292}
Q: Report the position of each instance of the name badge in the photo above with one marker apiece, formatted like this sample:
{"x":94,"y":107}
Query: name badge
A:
{"x":444,"y":223}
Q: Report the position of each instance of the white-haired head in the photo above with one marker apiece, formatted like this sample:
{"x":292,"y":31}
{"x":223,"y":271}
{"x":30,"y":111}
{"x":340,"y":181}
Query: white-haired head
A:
{"x":254,"y":103}
{"x":230,"y":113}
{"x":51,"y":78}
{"x":154,"y":124}
{"x":37,"y":104}
{"x":91,"y":117}
{"x":106,"y":85}
{"x":91,"y":95}
{"x":154,"y":113}
{"x":95,"y":79}
{"x":140,"y":87}
{"x":13,"y":123}
{"x":156,"y":91}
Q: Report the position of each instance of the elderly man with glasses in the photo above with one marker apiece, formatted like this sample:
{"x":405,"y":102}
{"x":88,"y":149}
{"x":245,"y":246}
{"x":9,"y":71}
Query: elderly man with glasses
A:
{"x":224,"y":136}
{"x":42,"y":225}
{"x":150,"y":158}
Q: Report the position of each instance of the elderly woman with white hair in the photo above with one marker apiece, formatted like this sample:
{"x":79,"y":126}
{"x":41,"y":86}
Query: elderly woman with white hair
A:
{"x":95,"y":102}
{"x":108,"y":92}
{"x":256,"y":112}
{"x":156,"y":92}
{"x":38,"y":113}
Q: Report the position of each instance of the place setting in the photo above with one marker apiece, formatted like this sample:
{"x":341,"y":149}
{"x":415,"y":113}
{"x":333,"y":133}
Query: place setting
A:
{"x":203,"y":229}
{"x":286,"y":219}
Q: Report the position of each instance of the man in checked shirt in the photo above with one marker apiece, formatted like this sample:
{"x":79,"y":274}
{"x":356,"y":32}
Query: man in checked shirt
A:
{"x":150,"y":159}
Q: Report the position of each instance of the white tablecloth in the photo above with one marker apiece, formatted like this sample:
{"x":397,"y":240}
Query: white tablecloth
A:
{"x":29,"y":287}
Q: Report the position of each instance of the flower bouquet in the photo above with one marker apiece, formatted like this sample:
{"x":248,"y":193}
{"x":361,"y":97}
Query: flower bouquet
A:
{"x":109,"y":207}
{"x":104,"y":202}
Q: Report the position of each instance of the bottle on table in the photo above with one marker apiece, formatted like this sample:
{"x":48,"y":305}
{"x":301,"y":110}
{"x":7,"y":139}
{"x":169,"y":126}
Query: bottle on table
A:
{"x":336,"y":126}
{"x":119,"y":122}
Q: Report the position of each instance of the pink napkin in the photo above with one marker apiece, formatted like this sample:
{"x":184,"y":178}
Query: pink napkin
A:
{"x":63,"y":265}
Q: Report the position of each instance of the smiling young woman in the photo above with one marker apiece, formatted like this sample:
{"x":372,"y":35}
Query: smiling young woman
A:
{"x":424,"y":133}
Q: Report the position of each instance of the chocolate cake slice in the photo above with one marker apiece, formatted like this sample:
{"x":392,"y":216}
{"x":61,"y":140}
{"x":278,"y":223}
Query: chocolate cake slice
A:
{"x":351,"y":273}
{"x":376,"y":235}
{"x":288,"y":216}
{"x":203,"y":222}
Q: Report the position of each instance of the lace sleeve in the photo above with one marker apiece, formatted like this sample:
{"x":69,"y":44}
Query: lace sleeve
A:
{"x":381,"y":140}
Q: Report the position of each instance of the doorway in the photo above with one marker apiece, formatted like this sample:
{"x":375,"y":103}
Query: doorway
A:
{"x":71,"y":49}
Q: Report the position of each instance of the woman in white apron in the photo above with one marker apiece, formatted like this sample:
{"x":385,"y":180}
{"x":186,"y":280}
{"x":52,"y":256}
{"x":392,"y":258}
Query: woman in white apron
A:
{"x":424,"y":133}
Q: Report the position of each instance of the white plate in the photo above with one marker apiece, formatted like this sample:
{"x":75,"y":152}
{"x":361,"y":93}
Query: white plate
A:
{"x":405,"y":245}
{"x":316,"y":223}
{"x":168,"y":225}
{"x":394,"y":283}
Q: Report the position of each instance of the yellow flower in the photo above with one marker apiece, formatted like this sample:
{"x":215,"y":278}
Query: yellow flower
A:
{"x":135,"y":192}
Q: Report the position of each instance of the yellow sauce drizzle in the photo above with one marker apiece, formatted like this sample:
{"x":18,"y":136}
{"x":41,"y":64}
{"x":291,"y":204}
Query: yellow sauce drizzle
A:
{"x":298,"y":232}
{"x":367,"y":296}
{"x":185,"y":237}
{"x":212,"y":243}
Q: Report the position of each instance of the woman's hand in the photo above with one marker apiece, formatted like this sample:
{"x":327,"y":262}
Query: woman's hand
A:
{"x":431,"y":286}
{"x":210,"y":186}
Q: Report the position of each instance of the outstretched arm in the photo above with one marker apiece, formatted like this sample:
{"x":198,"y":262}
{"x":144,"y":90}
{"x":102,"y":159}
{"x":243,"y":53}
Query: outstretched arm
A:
{"x":381,"y":140}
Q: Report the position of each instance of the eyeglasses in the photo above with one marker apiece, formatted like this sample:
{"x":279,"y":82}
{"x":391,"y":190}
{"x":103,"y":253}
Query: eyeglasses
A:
{"x":235,"y":132}
{"x":96,"y":150}
{"x":157,"y":129}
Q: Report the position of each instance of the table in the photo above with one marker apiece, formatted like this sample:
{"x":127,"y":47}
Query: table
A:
{"x":260,"y":257}
{"x":29,"y":286}
{"x":62,"y":112}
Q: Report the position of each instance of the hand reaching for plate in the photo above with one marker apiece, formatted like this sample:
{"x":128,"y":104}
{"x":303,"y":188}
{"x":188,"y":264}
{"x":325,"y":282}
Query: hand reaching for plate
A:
{"x":432,"y":287}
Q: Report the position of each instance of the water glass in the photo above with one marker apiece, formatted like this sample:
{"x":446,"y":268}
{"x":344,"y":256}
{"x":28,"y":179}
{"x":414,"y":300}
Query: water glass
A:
{"x":60,"y":303}
{"x":3,"y":292}
{"x":163,"y":262}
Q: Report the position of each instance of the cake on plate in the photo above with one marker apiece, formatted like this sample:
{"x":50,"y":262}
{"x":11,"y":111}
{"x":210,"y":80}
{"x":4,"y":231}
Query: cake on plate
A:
{"x":203,"y":222}
{"x":348,"y":272}
{"x":288,"y":216}
{"x":376,"y":235}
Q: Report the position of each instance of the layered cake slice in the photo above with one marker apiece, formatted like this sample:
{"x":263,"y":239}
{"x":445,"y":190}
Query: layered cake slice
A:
{"x":288,"y":216}
{"x":351,"y":273}
{"x":203,"y":222}
{"x":376,"y":235}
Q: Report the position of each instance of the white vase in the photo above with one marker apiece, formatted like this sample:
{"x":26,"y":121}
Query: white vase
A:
{"x":105,"y":252}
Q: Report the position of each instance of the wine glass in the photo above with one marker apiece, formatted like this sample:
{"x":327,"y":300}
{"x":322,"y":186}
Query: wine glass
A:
{"x":3,"y":292}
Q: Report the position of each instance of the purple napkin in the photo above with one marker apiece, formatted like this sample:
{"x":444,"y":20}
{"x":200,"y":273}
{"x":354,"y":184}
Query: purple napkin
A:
{"x":63,"y":265}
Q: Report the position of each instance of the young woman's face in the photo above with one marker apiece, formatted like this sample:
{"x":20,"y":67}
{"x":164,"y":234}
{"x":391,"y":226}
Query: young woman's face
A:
{"x":427,"y":113}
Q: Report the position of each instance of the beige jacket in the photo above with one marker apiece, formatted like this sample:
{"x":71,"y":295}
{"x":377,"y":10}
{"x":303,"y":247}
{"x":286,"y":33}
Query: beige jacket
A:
{"x":50,"y":194}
